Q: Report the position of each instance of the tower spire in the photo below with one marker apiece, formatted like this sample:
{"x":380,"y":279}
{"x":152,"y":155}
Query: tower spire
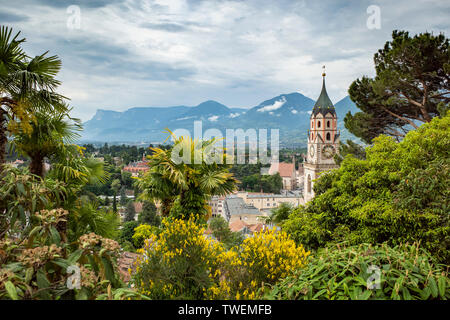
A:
{"x":323,"y":104}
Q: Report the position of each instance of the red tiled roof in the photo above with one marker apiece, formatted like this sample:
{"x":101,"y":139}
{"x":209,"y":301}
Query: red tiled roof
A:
{"x":283,"y":168}
{"x":237,"y":225}
{"x":138,"y":207}
{"x":256,"y":227}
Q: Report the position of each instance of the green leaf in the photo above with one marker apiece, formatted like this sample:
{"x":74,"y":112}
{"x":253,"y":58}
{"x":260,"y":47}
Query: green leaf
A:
{"x":43,"y":283}
{"x":433,"y":287}
{"x":74,"y":256}
{"x":63,"y":263}
{"x":34,"y":231}
{"x":11,"y":289}
{"x":406,"y":294}
{"x":56,"y":238}
{"x":441,"y":286}
{"x":425,"y":293}
{"x":29,"y":274}
{"x":366,"y":295}
{"x":109,"y":270}
{"x":21,"y":188}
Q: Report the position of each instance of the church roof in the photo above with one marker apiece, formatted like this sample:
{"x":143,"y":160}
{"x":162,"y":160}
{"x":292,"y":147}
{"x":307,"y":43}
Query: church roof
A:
{"x":323,"y":104}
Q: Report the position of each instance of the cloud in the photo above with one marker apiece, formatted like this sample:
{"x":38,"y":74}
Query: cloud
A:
{"x":213,"y":118}
{"x":6,"y":16}
{"x":170,"y":27}
{"x":133,"y":53}
{"x":276,"y":105}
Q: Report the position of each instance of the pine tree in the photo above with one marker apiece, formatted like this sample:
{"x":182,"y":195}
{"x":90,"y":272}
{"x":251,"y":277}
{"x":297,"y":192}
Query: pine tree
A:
{"x":411,"y":87}
{"x":148,"y":214}
{"x":130,"y":212}
{"x":123,"y":196}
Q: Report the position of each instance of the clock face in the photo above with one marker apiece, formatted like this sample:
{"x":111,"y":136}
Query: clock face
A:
{"x":328,"y":151}
{"x":311,"y":151}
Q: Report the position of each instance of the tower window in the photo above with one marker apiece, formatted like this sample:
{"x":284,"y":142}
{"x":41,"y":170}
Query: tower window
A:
{"x":309,"y":184}
{"x":328,"y":123}
{"x":328,"y":136}
{"x":318,"y":124}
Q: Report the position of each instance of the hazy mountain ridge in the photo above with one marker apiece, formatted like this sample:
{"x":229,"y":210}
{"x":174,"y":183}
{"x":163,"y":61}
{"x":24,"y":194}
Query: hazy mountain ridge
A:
{"x":287,"y":112}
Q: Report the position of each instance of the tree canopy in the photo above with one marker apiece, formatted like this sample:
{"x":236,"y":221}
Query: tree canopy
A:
{"x":411,"y":86}
{"x":399,"y":193}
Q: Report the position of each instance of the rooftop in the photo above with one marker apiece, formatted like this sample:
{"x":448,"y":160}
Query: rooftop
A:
{"x":238,"y":206}
{"x":285,"y":169}
{"x":323,"y":104}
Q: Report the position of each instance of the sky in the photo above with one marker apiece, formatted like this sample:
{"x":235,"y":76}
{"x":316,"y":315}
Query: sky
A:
{"x":120,"y":54}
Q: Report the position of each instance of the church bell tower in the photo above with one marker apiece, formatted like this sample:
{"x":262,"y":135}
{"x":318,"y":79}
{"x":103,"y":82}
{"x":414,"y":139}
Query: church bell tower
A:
{"x":323,"y":141}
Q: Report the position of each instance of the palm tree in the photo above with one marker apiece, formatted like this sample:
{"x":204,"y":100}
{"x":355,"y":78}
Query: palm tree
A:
{"x":183,"y":188}
{"x":27,"y":85}
{"x":49,"y":136}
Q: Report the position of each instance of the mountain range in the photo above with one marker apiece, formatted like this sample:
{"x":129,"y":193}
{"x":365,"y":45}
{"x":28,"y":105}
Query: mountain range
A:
{"x":287,"y":112}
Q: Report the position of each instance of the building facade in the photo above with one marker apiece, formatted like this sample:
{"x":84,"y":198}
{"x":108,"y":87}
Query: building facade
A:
{"x":287,"y":173}
{"x":323,"y":142}
{"x":137,"y":167}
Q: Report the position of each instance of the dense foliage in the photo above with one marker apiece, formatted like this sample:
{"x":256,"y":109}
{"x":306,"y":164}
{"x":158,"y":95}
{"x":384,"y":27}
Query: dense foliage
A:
{"x":35,"y":265}
{"x":411,"y":87}
{"x":185,"y":176}
{"x":399,"y":193}
{"x":363,"y":272}
{"x":221,"y":231}
{"x":181,"y":263}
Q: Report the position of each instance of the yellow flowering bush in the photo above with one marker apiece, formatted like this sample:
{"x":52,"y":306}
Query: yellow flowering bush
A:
{"x":270,"y":255}
{"x":179,"y":263}
{"x":142,"y":232}
{"x":264,"y":258}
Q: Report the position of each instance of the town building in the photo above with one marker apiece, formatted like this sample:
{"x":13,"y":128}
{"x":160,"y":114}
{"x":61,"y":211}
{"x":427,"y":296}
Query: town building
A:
{"x":287,"y":172}
{"x":237,"y":209}
{"x":323,"y":141}
{"x":265,"y":202}
{"x":137,"y":167}
{"x":217,"y":204}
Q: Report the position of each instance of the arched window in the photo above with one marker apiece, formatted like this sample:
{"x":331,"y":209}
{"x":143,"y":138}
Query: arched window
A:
{"x":308,"y":187}
{"x":312,"y":136}
{"x":328,"y":123}
{"x":318,"y":124}
{"x":328,"y":136}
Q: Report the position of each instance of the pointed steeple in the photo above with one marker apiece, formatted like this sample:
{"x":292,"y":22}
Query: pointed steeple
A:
{"x":323,"y":104}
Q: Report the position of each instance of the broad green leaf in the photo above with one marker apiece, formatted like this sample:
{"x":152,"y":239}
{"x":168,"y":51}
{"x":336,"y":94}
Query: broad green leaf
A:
{"x":74,"y":256}
{"x":11,"y":289}
{"x":441,"y":286}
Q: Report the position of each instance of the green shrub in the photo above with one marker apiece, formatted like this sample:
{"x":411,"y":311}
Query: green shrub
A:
{"x":35,"y":266}
{"x":407,"y":272}
{"x":398,"y":194}
{"x":179,"y":263}
{"x":142,"y":232}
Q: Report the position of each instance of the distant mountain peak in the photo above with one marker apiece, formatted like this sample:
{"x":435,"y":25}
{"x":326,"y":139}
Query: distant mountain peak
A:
{"x":288,"y":112}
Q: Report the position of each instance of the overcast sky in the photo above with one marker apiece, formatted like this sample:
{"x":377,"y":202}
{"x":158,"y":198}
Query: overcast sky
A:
{"x":136,"y":53}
